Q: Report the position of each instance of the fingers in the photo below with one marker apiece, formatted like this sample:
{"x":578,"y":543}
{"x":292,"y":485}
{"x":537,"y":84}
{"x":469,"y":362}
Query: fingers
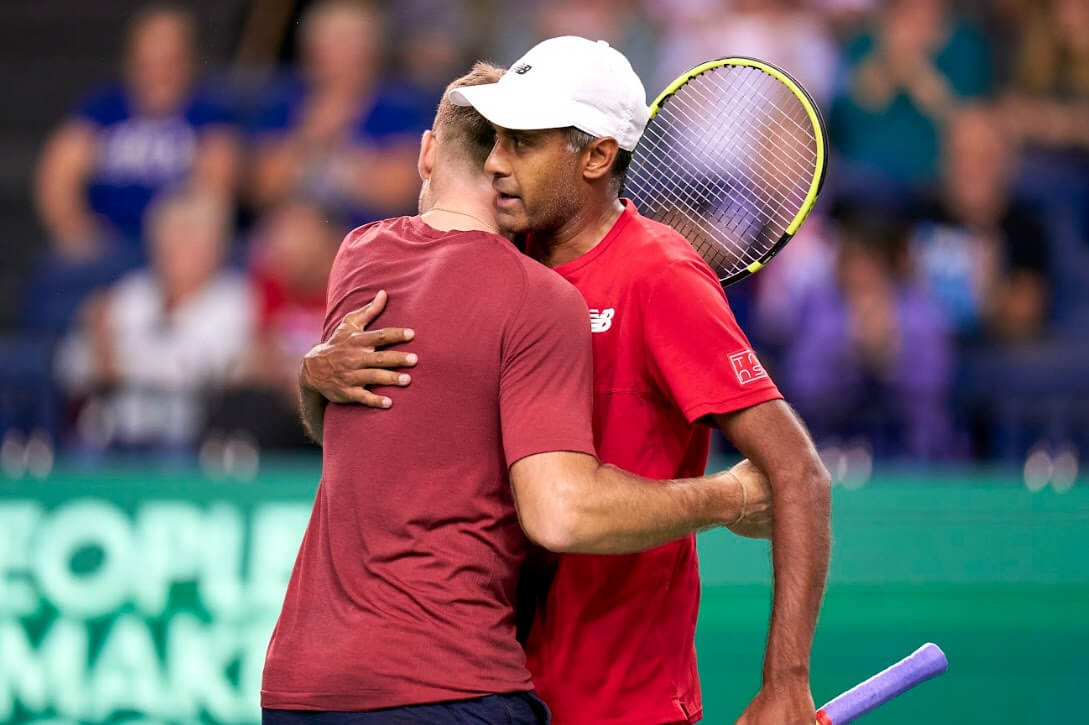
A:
{"x":360,"y":378}
{"x":385,"y":359}
{"x":365,"y":397}
{"x":381,"y":338}
{"x":365,"y":315}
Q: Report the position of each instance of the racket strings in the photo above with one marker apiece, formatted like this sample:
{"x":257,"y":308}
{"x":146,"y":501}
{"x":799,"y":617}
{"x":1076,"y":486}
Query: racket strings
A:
{"x":678,"y":181}
{"x":756,"y":143}
{"x":688,"y":195}
{"x":728,"y":162}
{"x":751,"y":146}
{"x":686,"y":198}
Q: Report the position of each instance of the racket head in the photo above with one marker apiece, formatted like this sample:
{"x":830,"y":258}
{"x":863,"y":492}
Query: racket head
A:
{"x":733,"y":158}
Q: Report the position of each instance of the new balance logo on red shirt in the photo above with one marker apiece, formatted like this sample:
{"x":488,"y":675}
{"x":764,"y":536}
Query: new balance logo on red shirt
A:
{"x":747,"y":367}
{"x":601,"y":320}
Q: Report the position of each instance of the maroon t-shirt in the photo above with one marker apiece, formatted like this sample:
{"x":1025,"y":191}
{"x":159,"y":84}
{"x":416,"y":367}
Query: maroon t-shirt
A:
{"x":404,"y":587}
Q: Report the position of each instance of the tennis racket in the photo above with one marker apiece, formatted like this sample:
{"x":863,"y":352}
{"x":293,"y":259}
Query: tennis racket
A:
{"x":733,"y":158}
{"x":924,"y":663}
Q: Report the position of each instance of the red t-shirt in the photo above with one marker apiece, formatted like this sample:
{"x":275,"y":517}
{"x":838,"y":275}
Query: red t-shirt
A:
{"x":404,"y":585}
{"x":614,"y":642}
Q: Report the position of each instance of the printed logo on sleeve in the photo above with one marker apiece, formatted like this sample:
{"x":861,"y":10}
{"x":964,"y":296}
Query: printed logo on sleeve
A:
{"x":747,"y":367}
{"x":601,"y":320}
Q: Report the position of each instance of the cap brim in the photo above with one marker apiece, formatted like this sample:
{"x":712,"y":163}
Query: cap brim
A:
{"x":512,"y":109}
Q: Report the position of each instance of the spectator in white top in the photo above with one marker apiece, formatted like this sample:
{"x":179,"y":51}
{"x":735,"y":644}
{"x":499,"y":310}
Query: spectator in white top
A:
{"x":152,"y":345}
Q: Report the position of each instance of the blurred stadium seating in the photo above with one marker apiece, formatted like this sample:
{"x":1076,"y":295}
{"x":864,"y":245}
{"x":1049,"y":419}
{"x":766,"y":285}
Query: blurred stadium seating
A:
{"x":1013,"y":291}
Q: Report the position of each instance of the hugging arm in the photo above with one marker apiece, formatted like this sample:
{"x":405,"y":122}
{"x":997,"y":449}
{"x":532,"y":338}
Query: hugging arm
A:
{"x":340,"y":369}
{"x":571,"y":502}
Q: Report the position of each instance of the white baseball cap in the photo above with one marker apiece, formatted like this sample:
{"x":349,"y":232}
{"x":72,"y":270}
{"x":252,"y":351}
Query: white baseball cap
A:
{"x":565,"y":81}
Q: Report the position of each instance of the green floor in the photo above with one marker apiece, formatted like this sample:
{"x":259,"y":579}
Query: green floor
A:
{"x":997,"y":576}
{"x":1017,"y":655}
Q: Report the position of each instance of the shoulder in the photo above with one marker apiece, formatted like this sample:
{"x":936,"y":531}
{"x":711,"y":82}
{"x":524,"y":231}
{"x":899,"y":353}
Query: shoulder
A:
{"x":547,"y":287}
{"x":509,"y":267}
{"x":105,"y":106}
{"x":363,"y":239}
{"x":491,"y":258}
{"x":660,"y":254}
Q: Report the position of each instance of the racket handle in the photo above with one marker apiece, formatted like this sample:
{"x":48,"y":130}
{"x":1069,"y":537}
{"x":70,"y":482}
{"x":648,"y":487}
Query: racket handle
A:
{"x":926,"y":662}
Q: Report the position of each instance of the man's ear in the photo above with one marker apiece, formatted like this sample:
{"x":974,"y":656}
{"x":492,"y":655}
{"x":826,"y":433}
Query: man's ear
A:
{"x":600,"y":155}
{"x":426,"y":163}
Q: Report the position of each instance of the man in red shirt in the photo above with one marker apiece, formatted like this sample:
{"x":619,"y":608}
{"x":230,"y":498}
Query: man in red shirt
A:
{"x":614,"y":643}
{"x":400,"y":606}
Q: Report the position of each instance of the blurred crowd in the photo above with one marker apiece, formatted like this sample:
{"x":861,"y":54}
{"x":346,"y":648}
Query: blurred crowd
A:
{"x":931,"y":308}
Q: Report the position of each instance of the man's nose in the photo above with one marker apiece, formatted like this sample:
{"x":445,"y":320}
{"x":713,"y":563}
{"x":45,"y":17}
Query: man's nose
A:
{"x":496,"y":163}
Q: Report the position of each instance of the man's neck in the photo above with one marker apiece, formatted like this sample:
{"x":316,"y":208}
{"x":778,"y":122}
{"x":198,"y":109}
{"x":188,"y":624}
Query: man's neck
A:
{"x":452,"y":213}
{"x":580,"y":234}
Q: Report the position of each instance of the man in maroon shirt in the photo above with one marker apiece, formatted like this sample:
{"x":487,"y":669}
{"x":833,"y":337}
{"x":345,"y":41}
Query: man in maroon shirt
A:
{"x":400,"y":605}
{"x":614,"y":643}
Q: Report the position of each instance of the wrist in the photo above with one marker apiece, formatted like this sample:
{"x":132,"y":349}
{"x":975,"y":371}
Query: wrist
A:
{"x":786,"y":675}
{"x":736,"y":501}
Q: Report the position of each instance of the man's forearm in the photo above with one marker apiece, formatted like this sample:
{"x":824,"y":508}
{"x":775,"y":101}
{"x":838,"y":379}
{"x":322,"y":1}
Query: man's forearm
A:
{"x":775,"y":440}
{"x":622,"y":513}
{"x":591,"y":508}
{"x":800,"y":548}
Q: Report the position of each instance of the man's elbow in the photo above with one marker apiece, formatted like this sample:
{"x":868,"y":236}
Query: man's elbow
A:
{"x":818,"y":482}
{"x":555,"y":526}
{"x":556,"y":532}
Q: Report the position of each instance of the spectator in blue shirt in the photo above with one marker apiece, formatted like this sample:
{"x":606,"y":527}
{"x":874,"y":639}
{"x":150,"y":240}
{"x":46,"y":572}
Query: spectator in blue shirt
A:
{"x":101,"y":169}
{"x":340,"y":134}
{"x":905,"y":76}
{"x":871,"y":356}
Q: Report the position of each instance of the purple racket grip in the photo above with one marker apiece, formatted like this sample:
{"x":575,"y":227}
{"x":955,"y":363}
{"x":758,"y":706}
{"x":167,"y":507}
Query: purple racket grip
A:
{"x":924,"y":663}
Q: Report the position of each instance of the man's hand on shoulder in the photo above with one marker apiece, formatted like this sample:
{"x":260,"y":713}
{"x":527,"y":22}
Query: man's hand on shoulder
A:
{"x":342,"y":369}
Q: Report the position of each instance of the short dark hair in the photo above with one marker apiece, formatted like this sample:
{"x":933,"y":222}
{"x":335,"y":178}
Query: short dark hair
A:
{"x":462,"y":126}
{"x":578,"y":139}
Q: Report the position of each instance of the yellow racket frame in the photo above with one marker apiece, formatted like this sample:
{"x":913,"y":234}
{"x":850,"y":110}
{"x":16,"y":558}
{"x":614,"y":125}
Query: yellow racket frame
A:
{"x":814,"y":118}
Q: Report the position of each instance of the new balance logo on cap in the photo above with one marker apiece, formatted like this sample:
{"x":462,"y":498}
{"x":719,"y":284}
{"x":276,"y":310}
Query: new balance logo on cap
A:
{"x":522,"y":68}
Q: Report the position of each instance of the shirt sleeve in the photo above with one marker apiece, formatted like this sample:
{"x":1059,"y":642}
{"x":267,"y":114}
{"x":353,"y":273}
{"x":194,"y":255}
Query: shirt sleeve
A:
{"x":697,"y":353}
{"x":546,"y":375}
